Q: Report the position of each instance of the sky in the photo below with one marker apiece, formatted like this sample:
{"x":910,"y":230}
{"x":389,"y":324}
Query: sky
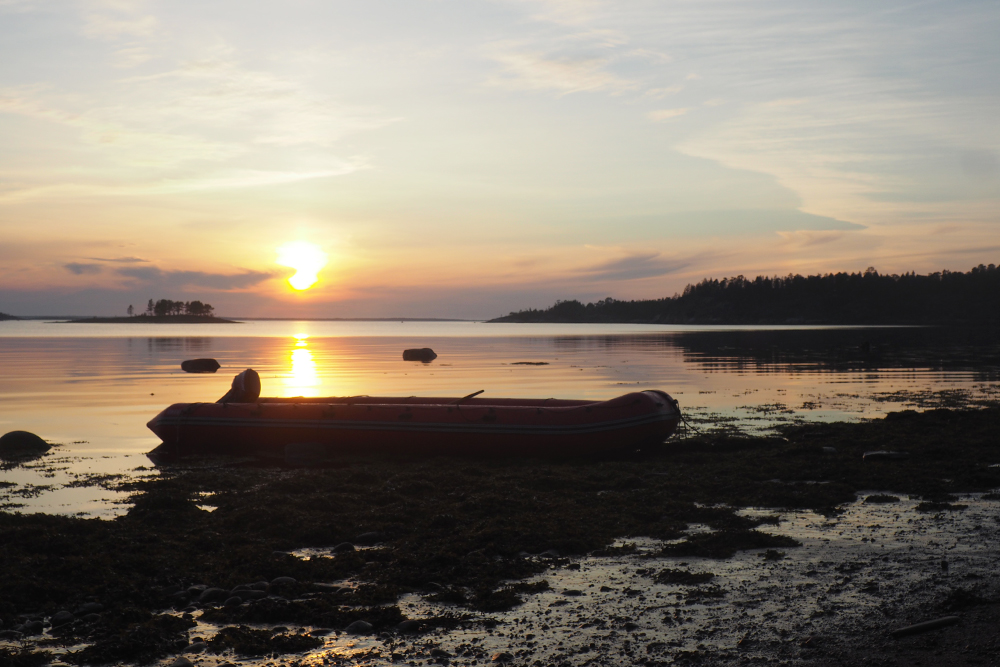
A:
{"x":468,"y":158}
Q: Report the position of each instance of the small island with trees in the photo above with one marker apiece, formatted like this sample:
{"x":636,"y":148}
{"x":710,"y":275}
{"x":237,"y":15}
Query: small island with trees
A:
{"x":164,"y":311}
{"x":944,"y":297}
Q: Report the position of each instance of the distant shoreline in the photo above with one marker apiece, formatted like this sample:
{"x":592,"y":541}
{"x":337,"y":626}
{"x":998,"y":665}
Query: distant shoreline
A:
{"x":152,"y":319}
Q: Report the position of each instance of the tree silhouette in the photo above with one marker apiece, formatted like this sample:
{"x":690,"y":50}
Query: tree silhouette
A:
{"x":943,"y":297}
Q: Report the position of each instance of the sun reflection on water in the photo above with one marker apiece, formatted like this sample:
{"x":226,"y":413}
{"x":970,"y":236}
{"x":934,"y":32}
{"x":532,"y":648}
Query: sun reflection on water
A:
{"x":304,"y":377}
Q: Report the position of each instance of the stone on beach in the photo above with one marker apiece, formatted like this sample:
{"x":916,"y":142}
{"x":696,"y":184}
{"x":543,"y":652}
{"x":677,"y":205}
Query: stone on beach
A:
{"x":17,"y":444}
{"x":408,"y":627}
{"x":212,"y":595}
{"x":88,"y":608}
{"x":62,"y":618}
{"x":359,"y":628}
{"x":367,"y":539}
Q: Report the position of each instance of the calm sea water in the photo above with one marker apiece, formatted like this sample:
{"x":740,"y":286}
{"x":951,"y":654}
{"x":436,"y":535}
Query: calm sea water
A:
{"x":92,"y":387}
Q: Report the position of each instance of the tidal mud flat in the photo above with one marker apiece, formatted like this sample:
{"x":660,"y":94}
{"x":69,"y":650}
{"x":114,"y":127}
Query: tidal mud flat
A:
{"x":784,"y":549}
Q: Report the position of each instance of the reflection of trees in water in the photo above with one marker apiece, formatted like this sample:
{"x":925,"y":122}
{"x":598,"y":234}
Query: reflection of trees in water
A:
{"x":973,"y":350}
{"x":179,"y":343}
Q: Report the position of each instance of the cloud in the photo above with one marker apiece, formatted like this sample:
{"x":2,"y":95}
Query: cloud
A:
{"x":660,"y":93}
{"x":121,"y":260}
{"x":102,"y":26}
{"x":651,"y":55}
{"x":180,"y":279}
{"x":634,"y":267}
{"x":534,"y":71}
{"x":661,"y":115}
{"x":566,"y":12}
{"x":79,"y":269}
{"x":806,"y":238}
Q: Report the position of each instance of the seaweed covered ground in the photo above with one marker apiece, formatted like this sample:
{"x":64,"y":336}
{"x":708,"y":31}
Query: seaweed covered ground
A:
{"x":436,"y":561}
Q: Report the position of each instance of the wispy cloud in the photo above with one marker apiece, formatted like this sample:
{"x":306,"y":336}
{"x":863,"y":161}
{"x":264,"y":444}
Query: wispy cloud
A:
{"x":154,"y":276}
{"x":80,"y":269}
{"x":806,"y":238}
{"x":119,"y":260}
{"x":661,"y":115}
{"x":218,"y":180}
{"x":567,"y":12}
{"x":634,"y":267}
{"x":535,"y":71}
{"x":660,"y":93}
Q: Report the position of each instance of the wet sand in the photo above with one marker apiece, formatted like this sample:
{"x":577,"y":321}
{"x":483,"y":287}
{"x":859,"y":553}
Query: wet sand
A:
{"x":713,"y":549}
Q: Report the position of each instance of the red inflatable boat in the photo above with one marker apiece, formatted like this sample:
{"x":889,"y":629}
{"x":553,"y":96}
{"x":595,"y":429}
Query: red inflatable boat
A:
{"x":314,"y":428}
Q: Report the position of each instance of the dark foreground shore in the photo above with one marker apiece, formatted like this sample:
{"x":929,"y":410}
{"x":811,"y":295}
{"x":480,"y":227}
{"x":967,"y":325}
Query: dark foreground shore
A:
{"x":652,"y":560}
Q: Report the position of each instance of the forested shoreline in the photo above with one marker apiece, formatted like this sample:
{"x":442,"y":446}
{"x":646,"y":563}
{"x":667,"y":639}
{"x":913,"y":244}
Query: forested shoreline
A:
{"x":944,"y":297}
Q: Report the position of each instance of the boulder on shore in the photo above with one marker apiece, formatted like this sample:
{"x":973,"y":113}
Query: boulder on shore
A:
{"x":200,"y":366}
{"x":424,"y":354}
{"x":19,"y":444}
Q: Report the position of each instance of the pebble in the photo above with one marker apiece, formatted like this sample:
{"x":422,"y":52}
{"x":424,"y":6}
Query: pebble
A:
{"x":62,"y":618}
{"x":283,"y":581}
{"x":572,"y":592}
{"x":212,"y":595}
{"x":369,"y":538}
{"x":196,"y":647}
{"x":181,"y":662}
{"x":502,"y":657}
{"x":234,"y":601}
{"x":551,"y":553}
{"x":197,"y":589}
{"x":320,"y":632}
{"x":11,"y":634}
{"x":440,"y":653}
{"x":91,"y":618}
{"x":343,"y":547}
{"x":359,"y":628}
{"x":259,"y":586}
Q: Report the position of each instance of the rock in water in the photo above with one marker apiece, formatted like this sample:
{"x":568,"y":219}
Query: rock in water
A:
{"x":18,"y":444}
{"x":200,"y":366}
{"x":424,"y":354}
{"x":245,"y":389}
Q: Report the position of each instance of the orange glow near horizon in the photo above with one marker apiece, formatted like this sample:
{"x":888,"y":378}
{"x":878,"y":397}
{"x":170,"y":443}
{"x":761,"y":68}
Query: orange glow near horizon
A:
{"x":306,"y":258}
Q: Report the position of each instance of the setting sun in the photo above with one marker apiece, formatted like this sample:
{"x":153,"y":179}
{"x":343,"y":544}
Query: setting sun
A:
{"x":306,"y":258}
